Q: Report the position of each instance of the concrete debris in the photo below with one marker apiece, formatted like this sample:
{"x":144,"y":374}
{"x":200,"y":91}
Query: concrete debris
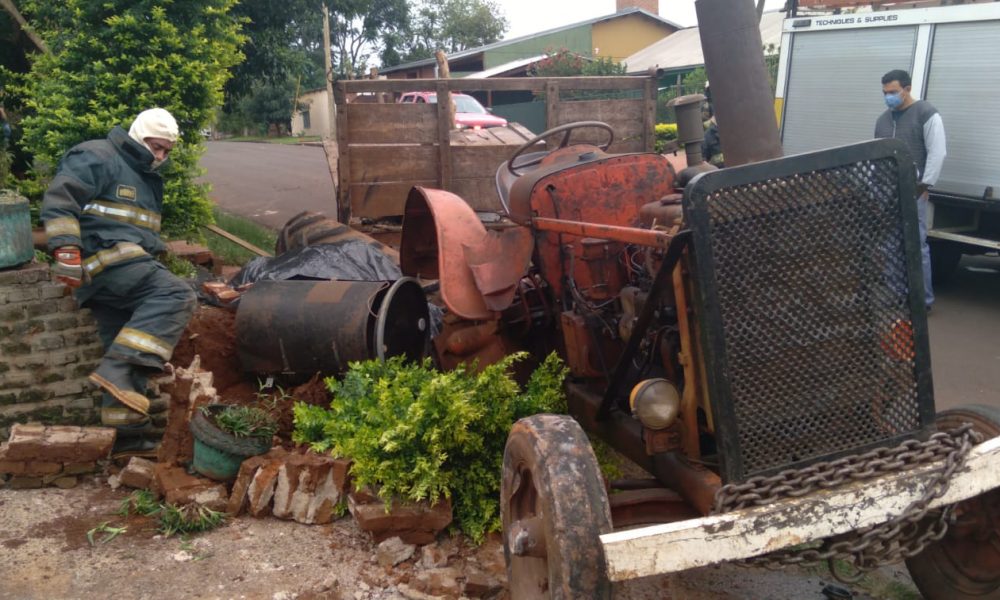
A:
{"x":443,"y":581}
{"x":433,"y":556}
{"x":393,"y":551}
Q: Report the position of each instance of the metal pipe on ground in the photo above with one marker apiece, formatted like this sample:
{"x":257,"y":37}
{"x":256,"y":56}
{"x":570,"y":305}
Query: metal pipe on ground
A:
{"x":305,"y":327}
{"x":741,"y":92}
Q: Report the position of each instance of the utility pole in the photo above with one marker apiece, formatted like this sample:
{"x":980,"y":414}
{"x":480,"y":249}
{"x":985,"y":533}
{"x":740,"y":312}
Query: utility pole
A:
{"x":328,"y":64}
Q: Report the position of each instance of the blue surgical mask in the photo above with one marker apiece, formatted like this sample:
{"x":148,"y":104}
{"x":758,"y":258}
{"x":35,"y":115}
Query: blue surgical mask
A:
{"x":894,"y":100}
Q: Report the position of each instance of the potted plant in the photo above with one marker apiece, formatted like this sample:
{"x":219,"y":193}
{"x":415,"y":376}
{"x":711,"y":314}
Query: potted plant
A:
{"x":226,"y":435}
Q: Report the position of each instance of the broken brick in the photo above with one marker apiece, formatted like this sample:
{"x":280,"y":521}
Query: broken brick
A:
{"x":261,"y":489}
{"x":59,"y":443}
{"x":138,"y":473}
{"x":237,"y":499}
{"x":176,"y":486}
{"x":309,"y":487}
{"x":21,"y":482}
{"x":414,"y":522}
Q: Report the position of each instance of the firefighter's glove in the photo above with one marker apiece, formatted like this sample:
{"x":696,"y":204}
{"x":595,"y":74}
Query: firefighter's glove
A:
{"x":68,"y":267}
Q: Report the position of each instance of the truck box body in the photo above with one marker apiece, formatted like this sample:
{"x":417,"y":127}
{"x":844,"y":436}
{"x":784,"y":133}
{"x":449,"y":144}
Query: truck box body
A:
{"x":829,"y":94}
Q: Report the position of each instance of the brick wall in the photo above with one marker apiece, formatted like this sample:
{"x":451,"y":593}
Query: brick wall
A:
{"x":48,"y":346}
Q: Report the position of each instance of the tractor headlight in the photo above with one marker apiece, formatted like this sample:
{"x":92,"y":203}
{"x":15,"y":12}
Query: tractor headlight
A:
{"x":655,"y":402}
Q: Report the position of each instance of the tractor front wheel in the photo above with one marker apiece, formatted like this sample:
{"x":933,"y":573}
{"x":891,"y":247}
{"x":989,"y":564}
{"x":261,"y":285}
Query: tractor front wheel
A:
{"x":553,"y":507}
{"x":965,"y":563}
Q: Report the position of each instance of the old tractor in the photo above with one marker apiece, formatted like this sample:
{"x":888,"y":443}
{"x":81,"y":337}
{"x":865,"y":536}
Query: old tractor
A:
{"x":753,"y":337}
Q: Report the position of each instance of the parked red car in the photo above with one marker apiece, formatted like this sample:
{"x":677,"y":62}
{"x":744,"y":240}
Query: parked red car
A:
{"x":469,"y":113}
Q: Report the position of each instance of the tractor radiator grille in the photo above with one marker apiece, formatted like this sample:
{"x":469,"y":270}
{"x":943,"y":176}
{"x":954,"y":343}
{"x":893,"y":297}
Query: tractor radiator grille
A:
{"x":811,"y":306}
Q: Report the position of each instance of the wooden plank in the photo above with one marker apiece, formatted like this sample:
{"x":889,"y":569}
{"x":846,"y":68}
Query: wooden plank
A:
{"x":237,"y":240}
{"x":380,"y":200}
{"x":470,"y":162}
{"x":343,"y":166}
{"x":392,"y":123}
{"x":551,"y":104}
{"x":751,"y":532}
{"x":445,"y":123}
{"x":535,"y":84}
{"x":385,"y":162}
{"x":625,"y":117}
{"x":649,"y":128}
{"x":479,"y":193}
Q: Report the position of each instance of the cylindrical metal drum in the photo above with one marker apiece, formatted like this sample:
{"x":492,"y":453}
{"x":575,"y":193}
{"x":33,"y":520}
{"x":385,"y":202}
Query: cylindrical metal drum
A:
{"x":16,"y":247}
{"x":305,"y":327}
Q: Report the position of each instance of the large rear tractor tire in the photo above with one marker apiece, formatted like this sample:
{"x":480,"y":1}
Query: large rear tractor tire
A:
{"x":965,"y":563}
{"x":553,"y":507}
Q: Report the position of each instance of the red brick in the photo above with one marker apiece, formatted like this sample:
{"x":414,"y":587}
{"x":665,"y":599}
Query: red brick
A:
{"x":38,"y":468}
{"x":209,"y":493}
{"x":79,"y":468}
{"x":59,"y":443}
{"x":21,"y":482}
{"x":12,"y":467}
{"x":176,"y":486}
{"x":413,"y":522}
{"x":480,"y":585}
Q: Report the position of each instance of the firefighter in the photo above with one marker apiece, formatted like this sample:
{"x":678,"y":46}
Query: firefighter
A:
{"x":102,"y":221}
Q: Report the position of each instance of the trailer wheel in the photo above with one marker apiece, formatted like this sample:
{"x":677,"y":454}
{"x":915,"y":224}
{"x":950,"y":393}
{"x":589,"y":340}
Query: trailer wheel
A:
{"x":553,"y":508}
{"x":945,"y":257}
{"x":965,"y":564}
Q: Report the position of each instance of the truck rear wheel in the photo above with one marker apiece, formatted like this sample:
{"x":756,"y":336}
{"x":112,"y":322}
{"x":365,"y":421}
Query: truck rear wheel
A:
{"x":945,"y":257}
{"x":553,"y":506}
{"x":965,"y":563}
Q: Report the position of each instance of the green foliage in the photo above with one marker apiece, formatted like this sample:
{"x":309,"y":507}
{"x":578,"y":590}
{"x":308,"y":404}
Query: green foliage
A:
{"x":564,"y":63}
{"x":131,"y":55}
{"x":192,"y":518}
{"x":271,"y":104}
{"x":107,"y":532}
{"x":245,"y":421}
{"x":452,"y":26}
{"x":139,"y":502}
{"x":419,"y":434}
{"x":665,"y":133}
{"x":359,"y":30}
{"x":178,"y":266}
{"x":234,"y":254}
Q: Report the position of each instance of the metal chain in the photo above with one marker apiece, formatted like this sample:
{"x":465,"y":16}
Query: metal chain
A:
{"x":869,"y":548}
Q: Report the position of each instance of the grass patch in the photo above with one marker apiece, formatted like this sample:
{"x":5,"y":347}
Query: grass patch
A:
{"x":877,"y":584}
{"x":275,"y":140}
{"x":233,"y":254}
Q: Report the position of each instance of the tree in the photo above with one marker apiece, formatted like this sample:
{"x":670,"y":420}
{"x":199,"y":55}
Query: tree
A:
{"x":271,"y":103}
{"x":132,"y":55}
{"x":564,"y":63}
{"x":452,"y":26}
{"x":359,"y":30}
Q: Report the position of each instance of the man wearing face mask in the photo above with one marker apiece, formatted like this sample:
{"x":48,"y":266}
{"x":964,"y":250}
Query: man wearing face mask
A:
{"x":102,"y":220}
{"x":918,"y":124}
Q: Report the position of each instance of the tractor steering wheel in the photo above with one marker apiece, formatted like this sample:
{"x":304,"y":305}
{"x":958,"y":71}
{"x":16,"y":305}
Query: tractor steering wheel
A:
{"x":566,"y":130}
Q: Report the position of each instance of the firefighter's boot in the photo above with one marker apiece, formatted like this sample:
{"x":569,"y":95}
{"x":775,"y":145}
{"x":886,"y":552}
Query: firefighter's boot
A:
{"x":118,"y":379}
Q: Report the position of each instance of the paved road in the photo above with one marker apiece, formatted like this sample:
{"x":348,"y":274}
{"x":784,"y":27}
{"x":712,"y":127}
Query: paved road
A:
{"x":268,"y":183}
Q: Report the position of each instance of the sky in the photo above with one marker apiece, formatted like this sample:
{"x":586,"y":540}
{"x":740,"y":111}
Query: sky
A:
{"x":531,"y":16}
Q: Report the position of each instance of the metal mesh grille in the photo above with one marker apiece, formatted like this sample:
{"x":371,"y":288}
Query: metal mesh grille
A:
{"x":813,"y":313}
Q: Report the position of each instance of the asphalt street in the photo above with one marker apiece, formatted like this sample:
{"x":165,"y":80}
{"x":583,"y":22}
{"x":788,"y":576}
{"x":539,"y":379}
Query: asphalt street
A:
{"x":270,"y":183}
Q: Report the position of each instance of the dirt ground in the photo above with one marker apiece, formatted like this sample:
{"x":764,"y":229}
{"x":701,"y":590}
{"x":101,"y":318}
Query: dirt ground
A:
{"x":45,"y":553}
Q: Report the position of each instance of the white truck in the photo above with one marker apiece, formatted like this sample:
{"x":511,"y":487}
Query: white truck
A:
{"x":829,"y":94}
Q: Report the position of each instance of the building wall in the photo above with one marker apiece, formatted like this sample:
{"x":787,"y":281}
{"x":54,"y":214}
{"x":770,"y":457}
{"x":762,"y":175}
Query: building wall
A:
{"x":576,"y":40}
{"x":319,"y":121}
{"x":48,"y":346}
{"x":622,"y":37}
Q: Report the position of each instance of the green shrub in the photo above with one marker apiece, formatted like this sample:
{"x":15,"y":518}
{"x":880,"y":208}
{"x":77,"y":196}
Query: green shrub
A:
{"x":419,"y":434}
{"x":665,"y":132}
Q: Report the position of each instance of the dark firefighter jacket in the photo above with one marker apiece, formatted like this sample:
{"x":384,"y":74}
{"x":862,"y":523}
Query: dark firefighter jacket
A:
{"x":107,"y":200}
